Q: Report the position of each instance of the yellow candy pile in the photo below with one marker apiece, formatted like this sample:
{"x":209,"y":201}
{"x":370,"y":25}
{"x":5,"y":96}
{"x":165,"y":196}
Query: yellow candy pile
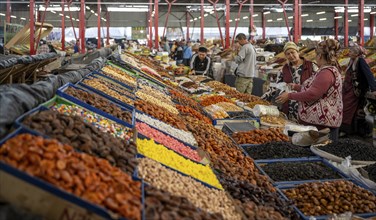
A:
{"x":171,"y":159}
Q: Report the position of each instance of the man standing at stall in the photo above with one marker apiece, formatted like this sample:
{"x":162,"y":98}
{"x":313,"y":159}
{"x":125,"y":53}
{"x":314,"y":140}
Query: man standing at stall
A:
{"x":200,"y":62}
{"x":246,"y":60}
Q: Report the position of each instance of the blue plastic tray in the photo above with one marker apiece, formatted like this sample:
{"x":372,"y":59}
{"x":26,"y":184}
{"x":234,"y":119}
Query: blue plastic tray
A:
{"x":101,"y":211}
{"x":135,"y":174}
{"x":61,"y":92}
{"x":126,"y":86}
{"x":245,"y":146}
{"x":322,"y":217}
{"x":292,"y":183}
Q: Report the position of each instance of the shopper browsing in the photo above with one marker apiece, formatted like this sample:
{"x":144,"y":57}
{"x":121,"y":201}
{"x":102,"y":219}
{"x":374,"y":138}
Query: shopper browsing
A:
{"x":358,"y":80}
{"x":296,"y":70}
{"x":320,"y":96}
{"x":200,"y":62}
{"x":246,"y":60}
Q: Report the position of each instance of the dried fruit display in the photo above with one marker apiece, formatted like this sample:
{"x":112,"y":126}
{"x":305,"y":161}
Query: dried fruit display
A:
{"x":242,"y":96}
{"x":167,"y":141}
{"x":189,"y":85}
{"x":229,"y":107}
{"x":213,"y":100}
{"x":208,"y":199}
{"x":100,"y":103}
{"x":272,"y":120}
{"x":90,"y":178}
{"x":296,"y":171}
{"x":156,"y":94}
{"x":169,"y":158}
{"x":169,"y":107}
{"x":225,"y":155}
{"x":185,"y":100}
{"x":216,"y":112}
{"x":186,"y":110}
{"x":160,"y":204}
{"x":161,"y":114}
{"x":252,"y":211}
{"x":371,"y":170}
{"x":107,"y":90}
{"x":358,"y":150}
{"x":325,"y":198}
{"x":218,"y":86}
{"x":85,"y":137}
{"x":246,"y":192}
{"x":119,"y":75}
{"x":113,"y":85}
{"x":257,"y":102}
{"x":260,"y":136}
{"x":276,"y":150}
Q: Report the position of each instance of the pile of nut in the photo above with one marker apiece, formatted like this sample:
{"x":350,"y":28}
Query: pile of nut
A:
{"x":167,"y":106}
{"x":186,"y":110}
{"x":213,"y":100}
{"x":225,"y":155}
{"x":185,"y":100}
{"x":160,"y":204}
{"x":241,"y":96}
{"x":114,"y":86}
{"x":105,"y":89}
{"x":229,"y":107}
{"x":119,"y":75}
{"x":207,"y":199}
{"x":85,"y":137}
{"x":88,"y":177}
{"x":156,"y":94}
{"x":260,"y":136}
{"x":161,"y":114}
{"x":100,"y":103}
{"x":257,"y":102}
{"x":218,"y":86}
{"x":325,"y":198}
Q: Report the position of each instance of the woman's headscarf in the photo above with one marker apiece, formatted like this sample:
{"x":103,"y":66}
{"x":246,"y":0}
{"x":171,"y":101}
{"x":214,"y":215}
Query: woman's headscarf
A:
{"x":357,"y":49}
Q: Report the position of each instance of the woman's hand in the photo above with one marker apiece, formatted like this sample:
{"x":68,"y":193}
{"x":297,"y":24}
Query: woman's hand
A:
{"x":292,"y":86}
{"x":284,"y":97}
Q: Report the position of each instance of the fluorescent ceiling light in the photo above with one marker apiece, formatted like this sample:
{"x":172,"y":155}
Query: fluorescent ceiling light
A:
{"x":305,"y":15}
{"x":191,"y":20}
{"x":115,"y":9}
{"x":53,"y":12}
{"x":266,"y":12}
{"x":371,"y":13}
{"x":2,"y":14}
{"x":199,"y":17}
{"x":349,"y":20}
{"x":279,"y":19}
{"x":351,"y":9}
{"x":92,"y":11}
{"x":67,"y":16}
{"x":205,"y":15}
{"x":245,"y":17}
{"x":338,"y":17}
{"x":366,"y":19}
{"x":255,"y":15}
{"x":270,"y":20}
{"x":354,"y":15}
{"x":230,"y":20}
{"x":195,"y":19}
{"x":96,"y":14}
{"x":42,"y":8}
{"x":320,"y":12}
{"x":309,"y":20}
{"x":322,"y":19}
{"x":23,"y":19}
{"x":290,"y":17}
{"x":87,"y":7}
{"x":61,"y":14}
{"x":12,"y":16}
{"x":211,"y":12}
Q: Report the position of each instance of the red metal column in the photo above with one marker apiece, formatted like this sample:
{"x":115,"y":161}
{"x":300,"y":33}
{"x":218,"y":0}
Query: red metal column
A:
{"x":43,"y":18}
{"x":82,"y":27}
{"x":371,"y":25}
{"x":238,"y":18}
{"x":227,"y":27}
{"x":361,"y":22}
{"x":32,"y":26}
{"x":263,"y":23}
{"x":7,"y":18}
{"x":216,"y":16}
{"x":283,"y":2}
{"x":251,"y":22}
{"x":300,"y":20}
{"x":156,"y":15}
{"x":202,"y":23}
{"x":108,"y":28}
{"x":150,"y":40}
{"x":187,"y":21}
{"x":39,"y":16}
{"x":168,"y":13}
{"x":99,"y":42}
{"x":336,"y":25}
{"x":63,"y":25}
{"x":70,"y":17}
{"x":346,"y":25}
{"x":296,"y":21}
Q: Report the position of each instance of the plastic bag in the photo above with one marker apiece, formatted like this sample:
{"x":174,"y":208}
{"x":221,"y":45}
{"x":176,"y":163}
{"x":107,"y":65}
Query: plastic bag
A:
{"x":260,"y":110}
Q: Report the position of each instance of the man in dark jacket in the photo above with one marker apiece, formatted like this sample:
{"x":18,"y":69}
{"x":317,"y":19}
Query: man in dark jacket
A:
{"x":200,"y":62}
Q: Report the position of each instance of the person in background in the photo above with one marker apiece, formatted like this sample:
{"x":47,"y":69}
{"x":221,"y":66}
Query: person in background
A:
{"x":76,"y":47}
{"x":165,"y":46}
{"x":52,"y":49}
{"x":358,"y":81}
{"x":187,"y":53}
{"x":320,"y":96}
{"x":246,"y":60}
{"x":296,"y":70}
{"x":174,"y":47}
{"x":200,"y":62}
{"x":43,"y":47}
{"x":179,"y":53}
